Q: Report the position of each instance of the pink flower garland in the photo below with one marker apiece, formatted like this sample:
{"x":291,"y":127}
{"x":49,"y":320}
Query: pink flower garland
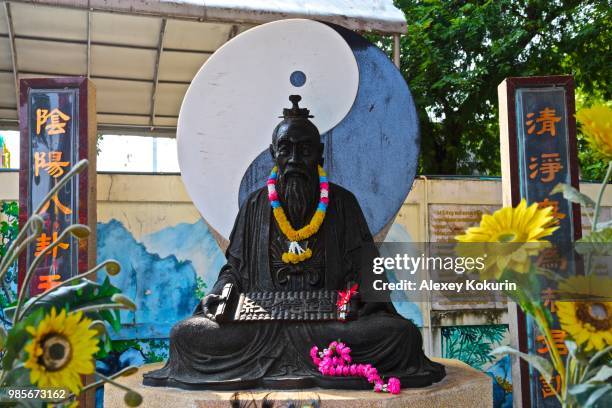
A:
{"x":336,"y":360}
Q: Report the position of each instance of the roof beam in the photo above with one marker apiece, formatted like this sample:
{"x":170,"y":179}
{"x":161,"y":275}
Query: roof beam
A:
{"x":105,"y":44}
{"x":139,"y":115}
{"x":11,"y":36}
{"x":137,"y":130}
{"x":110,"y":78}
{"x":160,"y":49}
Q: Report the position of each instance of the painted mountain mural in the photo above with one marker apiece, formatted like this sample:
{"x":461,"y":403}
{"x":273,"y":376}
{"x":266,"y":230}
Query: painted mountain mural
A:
{"x":163,"y":287}
{"x":189,"y":242}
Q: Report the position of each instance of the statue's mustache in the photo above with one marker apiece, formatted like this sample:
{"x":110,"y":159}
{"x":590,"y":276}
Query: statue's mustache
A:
{"x":296,"y":170}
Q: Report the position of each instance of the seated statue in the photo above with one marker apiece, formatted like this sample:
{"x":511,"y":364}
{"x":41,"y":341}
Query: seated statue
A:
{"x":331,"y":255}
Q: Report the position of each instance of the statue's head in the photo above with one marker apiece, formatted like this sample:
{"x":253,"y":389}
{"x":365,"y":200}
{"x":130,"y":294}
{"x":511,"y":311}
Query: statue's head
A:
{"x":297,"y":151}
{"x":296,"y":143}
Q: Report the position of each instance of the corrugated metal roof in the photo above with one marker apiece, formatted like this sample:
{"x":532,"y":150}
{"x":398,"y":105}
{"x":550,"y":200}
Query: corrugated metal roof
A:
{"x":142,"y":54}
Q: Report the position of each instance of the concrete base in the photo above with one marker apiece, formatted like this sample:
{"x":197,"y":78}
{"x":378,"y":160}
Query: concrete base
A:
{"x":463,"y":386}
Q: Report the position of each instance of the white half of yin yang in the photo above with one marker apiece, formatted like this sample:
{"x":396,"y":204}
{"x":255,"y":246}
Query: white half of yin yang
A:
{"x":234,"y":102}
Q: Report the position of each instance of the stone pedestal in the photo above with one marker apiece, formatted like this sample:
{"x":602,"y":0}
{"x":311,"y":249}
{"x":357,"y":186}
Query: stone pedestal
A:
{"x":463,"y":386}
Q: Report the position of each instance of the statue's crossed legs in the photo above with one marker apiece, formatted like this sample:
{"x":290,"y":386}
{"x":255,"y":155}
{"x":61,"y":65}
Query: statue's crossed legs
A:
{"x":207,"y":355}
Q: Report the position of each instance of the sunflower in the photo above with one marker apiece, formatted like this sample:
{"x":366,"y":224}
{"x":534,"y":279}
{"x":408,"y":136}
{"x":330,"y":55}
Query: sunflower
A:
{"x":523,"y":227}
{"x":589,"y":322}
{"x":597,"y":127}
{"x":61,"y":349}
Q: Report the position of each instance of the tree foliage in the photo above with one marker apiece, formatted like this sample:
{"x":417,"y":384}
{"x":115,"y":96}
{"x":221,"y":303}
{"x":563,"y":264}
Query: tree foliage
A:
{"x":455,"y":54}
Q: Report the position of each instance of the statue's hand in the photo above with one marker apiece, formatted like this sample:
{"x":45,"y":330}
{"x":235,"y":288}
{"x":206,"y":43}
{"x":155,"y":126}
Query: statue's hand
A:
{"x":208,"y":305}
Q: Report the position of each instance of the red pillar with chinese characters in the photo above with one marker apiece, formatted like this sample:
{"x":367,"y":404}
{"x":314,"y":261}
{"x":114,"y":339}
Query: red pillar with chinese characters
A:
{"x":57,"y":119}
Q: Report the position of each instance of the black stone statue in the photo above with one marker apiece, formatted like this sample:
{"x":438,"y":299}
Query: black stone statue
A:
{"x":207,"y":352}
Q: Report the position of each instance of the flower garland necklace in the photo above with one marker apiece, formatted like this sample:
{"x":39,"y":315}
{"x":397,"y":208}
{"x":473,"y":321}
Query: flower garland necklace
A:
{"x":296,"y":253}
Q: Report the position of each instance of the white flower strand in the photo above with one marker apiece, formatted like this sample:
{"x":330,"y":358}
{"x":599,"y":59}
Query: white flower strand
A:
{"x":295,"y":248}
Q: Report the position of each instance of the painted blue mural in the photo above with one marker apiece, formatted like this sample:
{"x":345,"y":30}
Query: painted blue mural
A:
{"x":473,"y":345}
{"x":125,"y":353}
{"x":165,"y":275}
{"x":163,"y":288}
{"x":501,"y":374}
{"x":200,"y":249}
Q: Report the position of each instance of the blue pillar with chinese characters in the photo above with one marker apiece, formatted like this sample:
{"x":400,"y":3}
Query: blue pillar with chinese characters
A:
{"x":538,"y":148}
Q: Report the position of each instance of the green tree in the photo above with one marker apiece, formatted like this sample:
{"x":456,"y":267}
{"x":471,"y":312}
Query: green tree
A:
{"x":455,"y":53}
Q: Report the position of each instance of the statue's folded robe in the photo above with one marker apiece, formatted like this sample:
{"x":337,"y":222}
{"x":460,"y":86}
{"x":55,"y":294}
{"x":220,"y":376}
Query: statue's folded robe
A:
{"x":207,"y":355}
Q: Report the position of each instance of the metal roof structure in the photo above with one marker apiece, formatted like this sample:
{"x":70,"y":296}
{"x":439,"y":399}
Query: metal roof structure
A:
{"x":142,"y":54}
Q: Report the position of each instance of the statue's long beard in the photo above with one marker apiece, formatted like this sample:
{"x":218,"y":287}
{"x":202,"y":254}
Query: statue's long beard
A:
{"x":299,"y":197}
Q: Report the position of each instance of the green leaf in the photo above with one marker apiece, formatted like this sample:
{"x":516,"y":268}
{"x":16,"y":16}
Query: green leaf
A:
{"x":589,"y":392}
{"x":595,"y":359}
{"x":597,"y":394}
{"x":17,"y":338}
{"x":86,"y":293}
{"x":573,"y":195}
{"x":581,"y":388}
{"x":12,"y":209}
{"x":3,"y":335}
{"x":596,"y":243}
{"x":539,"y":363}
{"x":604,"y":373}
{"x":17,"y":376}
{"x":112,"y":317}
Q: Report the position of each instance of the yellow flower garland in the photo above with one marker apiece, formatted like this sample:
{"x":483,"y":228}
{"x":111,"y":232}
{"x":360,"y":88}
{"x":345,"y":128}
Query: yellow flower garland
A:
{"x":304,"y":232}
{"x":288,"y":257}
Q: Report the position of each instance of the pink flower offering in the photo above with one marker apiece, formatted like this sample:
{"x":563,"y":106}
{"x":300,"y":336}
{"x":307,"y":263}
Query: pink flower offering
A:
{"x":393,"y":385}
{"x":373,"y":378}
{"x":335,"y":359}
